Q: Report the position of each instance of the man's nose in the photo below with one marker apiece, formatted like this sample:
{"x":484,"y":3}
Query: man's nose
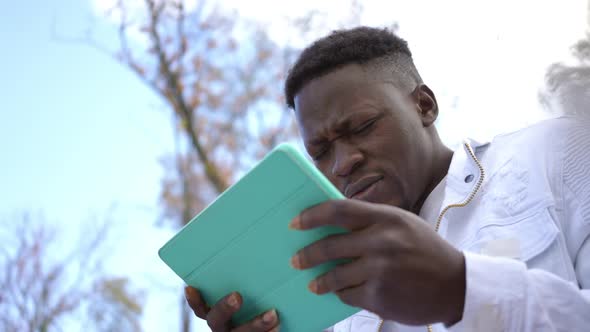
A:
{"x":346,"y":159}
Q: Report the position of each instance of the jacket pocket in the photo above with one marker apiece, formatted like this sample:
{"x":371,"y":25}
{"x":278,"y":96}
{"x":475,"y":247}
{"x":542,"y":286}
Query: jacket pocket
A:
{"x":521,"y":237}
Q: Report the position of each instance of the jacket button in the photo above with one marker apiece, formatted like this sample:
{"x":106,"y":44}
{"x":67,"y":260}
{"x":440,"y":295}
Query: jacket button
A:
{"x":469,"y":178}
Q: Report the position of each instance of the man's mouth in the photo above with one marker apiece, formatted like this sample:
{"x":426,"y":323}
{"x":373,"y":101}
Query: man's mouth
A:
{"x":362,"y":186}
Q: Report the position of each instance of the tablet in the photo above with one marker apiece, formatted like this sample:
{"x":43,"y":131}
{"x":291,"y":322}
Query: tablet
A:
{"x":241,"y":242}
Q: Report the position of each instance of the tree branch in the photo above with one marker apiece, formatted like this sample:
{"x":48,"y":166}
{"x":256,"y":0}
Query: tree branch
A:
{"x":175,"y":95}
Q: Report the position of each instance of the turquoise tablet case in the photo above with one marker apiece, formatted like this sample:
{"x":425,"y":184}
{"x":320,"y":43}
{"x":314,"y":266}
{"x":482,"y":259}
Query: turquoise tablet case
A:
{"x":241,"y":242}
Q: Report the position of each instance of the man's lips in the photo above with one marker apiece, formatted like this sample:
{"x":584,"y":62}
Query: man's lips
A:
{"x":360,"y":185}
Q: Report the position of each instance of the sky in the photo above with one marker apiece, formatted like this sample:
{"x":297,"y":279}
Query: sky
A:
{"x":81,"y":136}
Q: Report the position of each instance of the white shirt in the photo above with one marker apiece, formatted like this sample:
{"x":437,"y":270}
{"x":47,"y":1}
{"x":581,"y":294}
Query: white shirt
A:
{"x":525,"y":233}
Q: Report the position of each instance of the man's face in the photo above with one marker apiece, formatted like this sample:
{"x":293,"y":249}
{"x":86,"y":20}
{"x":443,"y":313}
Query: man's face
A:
{"x":366,"y":136}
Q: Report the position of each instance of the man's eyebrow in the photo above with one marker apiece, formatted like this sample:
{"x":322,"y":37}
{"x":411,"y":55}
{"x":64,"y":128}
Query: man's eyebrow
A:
{"x":317,"y":141}
{"x":338,"y":127}
{"x":347,"y":121}
{"x":344,"y":124}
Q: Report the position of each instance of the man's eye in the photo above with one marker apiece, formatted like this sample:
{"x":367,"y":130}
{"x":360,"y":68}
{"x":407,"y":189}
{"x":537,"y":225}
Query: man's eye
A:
{"x":364,"y":127}
{"x":317,"y":156}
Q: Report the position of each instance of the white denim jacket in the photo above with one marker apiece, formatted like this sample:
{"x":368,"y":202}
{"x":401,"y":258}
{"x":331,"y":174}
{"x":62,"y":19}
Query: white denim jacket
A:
{"x":525,"y":233}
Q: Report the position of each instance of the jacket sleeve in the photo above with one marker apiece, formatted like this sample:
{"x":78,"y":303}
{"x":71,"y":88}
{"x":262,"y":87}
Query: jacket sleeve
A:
{"x":503,"y":295}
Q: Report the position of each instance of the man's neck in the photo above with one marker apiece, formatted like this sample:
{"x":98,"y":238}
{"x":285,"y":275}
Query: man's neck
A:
{"x":442,"y":162}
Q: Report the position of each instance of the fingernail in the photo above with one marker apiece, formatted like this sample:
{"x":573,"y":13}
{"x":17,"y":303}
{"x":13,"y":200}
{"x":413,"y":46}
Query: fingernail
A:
{"x":187,"y":294}
{"x":233,"y":301}
{"x":295,"y":223}
{"x":313,"y":286}
{"x":296,"y":262}
{"x":269,"y":316}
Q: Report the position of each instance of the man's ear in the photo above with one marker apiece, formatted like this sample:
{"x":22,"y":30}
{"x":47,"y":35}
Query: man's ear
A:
{"x":426,"y":104}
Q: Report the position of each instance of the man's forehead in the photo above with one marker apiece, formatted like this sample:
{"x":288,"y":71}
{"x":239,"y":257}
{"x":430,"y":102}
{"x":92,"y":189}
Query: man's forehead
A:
{"x":322,"y":92}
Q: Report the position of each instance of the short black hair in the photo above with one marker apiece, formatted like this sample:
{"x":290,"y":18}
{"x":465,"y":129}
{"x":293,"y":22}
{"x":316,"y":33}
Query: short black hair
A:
{"x":361,"y":45}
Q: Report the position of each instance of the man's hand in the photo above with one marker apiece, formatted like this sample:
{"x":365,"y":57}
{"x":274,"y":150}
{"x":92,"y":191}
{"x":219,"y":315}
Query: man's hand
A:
{"x":219,"y":316}
{"x":400,"y":269}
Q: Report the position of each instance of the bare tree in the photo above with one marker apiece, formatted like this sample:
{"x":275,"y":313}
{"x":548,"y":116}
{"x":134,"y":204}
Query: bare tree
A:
{"x":115,"y":306}
{"x":568,"y":83}
{"x":222,"y":80}
{"x":225,"y":93}
{"x":46,"y":278}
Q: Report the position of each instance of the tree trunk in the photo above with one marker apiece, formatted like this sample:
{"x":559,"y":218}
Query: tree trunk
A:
{"x":185,"y":316}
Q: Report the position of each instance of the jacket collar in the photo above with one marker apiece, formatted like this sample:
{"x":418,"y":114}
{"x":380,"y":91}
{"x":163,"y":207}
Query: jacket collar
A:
{"x":463,"y":175}
{"x":463,"y":165}
{"x":464,"y":172}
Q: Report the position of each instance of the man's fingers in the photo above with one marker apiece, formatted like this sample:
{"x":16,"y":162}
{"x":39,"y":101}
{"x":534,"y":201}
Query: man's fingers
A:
{"x":353,"y":296}
{"x":219,"y":317}
{"x":267,"y":322}
{"x":347,"y":213}
{"x":341,"y":277}
{"x":348,"y":245}
{"x":195,"y":302}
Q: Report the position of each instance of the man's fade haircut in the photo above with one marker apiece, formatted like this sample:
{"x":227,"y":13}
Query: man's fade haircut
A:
{"x":365,"y":46}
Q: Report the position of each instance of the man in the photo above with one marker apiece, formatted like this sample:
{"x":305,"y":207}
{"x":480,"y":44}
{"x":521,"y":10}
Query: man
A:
{"x":491,"y":237}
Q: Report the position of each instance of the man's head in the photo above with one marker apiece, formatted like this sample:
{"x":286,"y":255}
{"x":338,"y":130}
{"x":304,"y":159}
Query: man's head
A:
{"x":366,"y":118}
